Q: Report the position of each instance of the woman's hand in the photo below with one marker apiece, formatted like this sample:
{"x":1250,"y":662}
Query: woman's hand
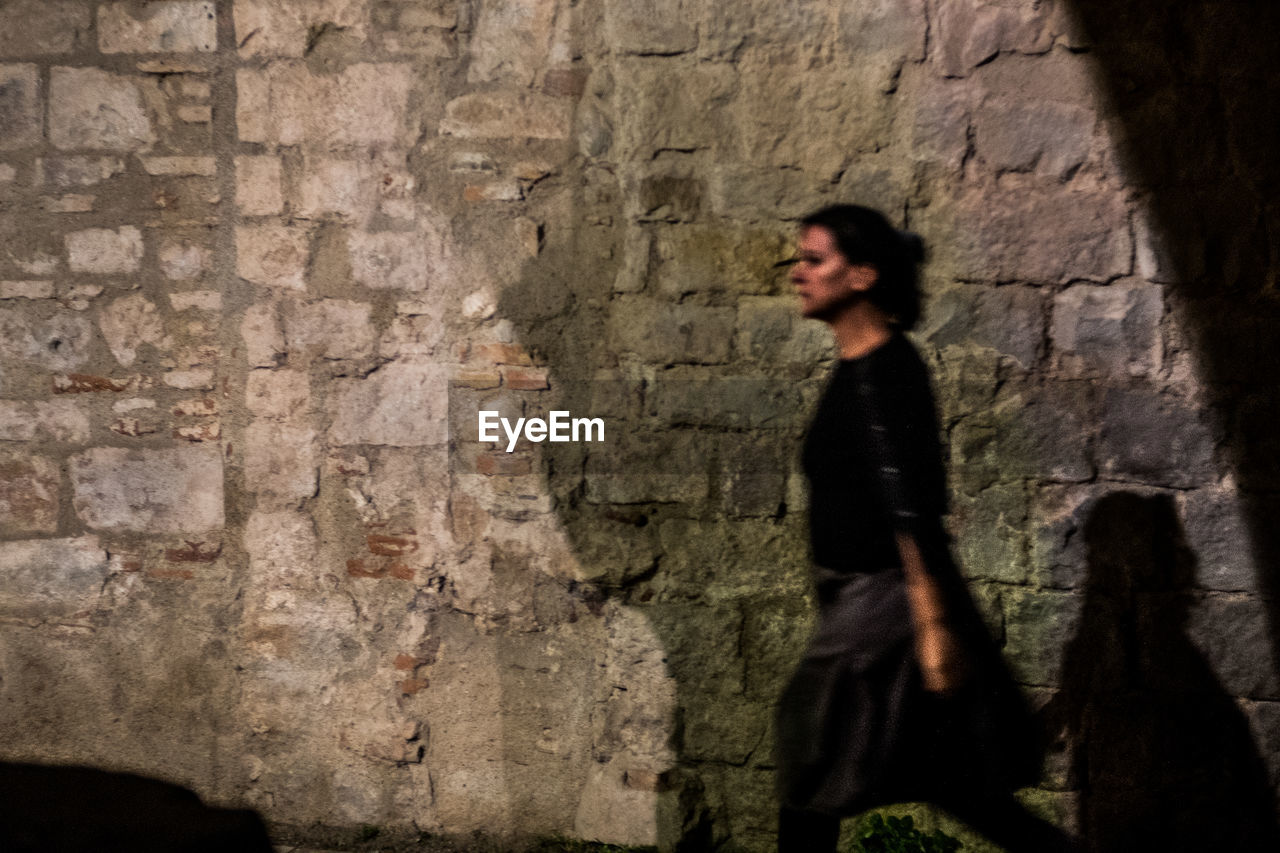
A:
{"x":938,"y":650}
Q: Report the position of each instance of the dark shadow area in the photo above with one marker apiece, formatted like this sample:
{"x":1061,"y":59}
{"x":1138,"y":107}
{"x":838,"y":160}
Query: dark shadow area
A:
{"x":1196,"y":89}
{"x":83,"y":810}
{"x":1161,"y":754}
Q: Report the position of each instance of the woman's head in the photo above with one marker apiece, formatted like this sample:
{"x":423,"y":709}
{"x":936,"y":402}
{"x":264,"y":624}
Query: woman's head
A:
{"x":875,"y":261}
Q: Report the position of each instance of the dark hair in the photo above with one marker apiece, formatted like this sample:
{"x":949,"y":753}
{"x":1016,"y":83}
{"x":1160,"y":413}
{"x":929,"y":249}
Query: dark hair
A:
{"x":864,"y":236}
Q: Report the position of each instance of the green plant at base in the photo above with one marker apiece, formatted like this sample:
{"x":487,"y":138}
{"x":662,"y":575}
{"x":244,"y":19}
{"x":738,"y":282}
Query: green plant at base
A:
{"x":899,"y":835}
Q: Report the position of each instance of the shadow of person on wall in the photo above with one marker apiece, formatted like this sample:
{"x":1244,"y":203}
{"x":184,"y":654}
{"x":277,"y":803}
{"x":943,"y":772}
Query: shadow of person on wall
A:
{"x":84,"y":810}
{"x":1162,"y":756}
{"x":1195,"y":89}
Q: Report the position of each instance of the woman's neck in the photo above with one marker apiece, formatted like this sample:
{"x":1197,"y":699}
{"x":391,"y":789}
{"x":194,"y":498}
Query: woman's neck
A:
{"x":860,"y":329}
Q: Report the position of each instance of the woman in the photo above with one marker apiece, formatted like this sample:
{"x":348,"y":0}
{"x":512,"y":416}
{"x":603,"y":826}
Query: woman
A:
{"x":901,"y":695}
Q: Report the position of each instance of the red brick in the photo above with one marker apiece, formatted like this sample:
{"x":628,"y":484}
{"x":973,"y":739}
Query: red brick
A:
{"x":523,"y":379}
{"x":501,"y":354}
{"x":390,"y":546}
{"x":195,"y":552}
{"x":502,"y":464}
{"x":406,"y":662}
{"x":411,"y":686}
{"x":79,"y":383}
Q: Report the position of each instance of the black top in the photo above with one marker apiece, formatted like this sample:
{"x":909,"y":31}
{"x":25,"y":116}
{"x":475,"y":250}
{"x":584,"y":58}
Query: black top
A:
{"x":874,"y":463}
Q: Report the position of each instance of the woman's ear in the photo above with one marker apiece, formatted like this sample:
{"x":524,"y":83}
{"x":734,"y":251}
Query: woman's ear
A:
{"x":861,"y":277}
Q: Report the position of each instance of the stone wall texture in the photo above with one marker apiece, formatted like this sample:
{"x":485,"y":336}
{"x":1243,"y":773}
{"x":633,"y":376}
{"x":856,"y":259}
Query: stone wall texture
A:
{"x":263,"y":261}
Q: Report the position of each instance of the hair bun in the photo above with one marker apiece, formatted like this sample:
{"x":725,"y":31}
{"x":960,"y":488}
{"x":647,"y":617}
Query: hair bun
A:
{"x":912,"y":245}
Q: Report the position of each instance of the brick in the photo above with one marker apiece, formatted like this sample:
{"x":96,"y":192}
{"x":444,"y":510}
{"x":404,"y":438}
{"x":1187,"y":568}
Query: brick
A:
{"x":129,"y":323}
{"x":43,"y":27}
{"x":273,"y":255}
{"x":203,"y":166}
{"x":51,"y":577}
{"x":30,"y":485}
{"x":280,"y":461}
{"x":172,"y":26}
{"x":149,"y":491}
{"x":80,"y":383}
{"x":365,"y":104}
{"x":651,"y":27}
{"x":71,"y":203}
{"x":507,"y":115}
{"x":258,"y":187}
{"x":199,"y":432}
{"x":403,"y":404}
{"x":518,"y":379}
{"x":197,"y":379}
{"x":91,"y":108}
{"x":105,"y":251}
{"x":20,"y":113}
{"x":180,"y":261}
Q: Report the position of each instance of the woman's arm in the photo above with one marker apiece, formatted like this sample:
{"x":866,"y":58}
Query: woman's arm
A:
{"x":938,"y":652}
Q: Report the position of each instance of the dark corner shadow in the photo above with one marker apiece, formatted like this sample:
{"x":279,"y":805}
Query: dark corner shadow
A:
{"x":1195,"y":85}
{"x":1161,"y":755}
{"x":84,"y":810}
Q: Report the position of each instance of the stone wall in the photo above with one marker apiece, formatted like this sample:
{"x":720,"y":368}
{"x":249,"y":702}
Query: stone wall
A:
{"x":263,"y":262}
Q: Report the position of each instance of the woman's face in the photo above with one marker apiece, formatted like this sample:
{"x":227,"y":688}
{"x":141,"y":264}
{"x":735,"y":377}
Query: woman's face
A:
{"x":825,"y":281}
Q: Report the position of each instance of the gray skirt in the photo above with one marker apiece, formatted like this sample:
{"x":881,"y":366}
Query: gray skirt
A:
{"x":856,"y":729}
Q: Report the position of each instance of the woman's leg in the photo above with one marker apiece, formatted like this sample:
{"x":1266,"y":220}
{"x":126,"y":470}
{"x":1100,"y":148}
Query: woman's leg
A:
{"x":807,"y":832}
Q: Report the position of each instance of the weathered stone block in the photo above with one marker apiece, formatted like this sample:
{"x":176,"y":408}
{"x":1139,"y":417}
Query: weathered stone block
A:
{"x":1039,"y":625}
{"x":394,"y":259}
{"x":329,"y":185}
{"x":277,"y":393}
{"x":175,"y":26}
{"x":77,"y":171}
{"x":1111,"y":331}
{"x":660,"y":110}
{"x":495,"y":55}
{"x":1018,"y":135}
{"x":149,"y":491}
{"x":29,"y":489}
{"x":661,"y":27}
{"x":63,"y":341}
{"x":991,"y":533}
{"x":105,"y":251}
{"x":20,"y":118}
{"x":91,"y":108}
{"x":1218,"y":534}
{"x":198,"y":300}
{"x":506,"y":114}
{"x":41,"y":27}
{"x":263,"y":335}
{"x":181,"y":261}
{"x":1035,"y":233}
{"x":700,"y":258}
{"x":26,"y":289}
{"x":274,"y":28}
{"x":662,"y":333}
{"x":613,"y":812}
{"x":1221,"y":626}
{"x":881,"y":37}
{"x":1158,"y":440}
{"x":45,"y":420}
{"x":273,"y":255}
{"x":280,"y":461}
{"x":940,"y":124}
{"x":202,"y":166}
{"x":129,"y":323}
{"x":286,"y":104}
{"x":282,"y":550}
{"x":330,"y":328}
{"x":1008,"y":320}
{"x":972,"y":31}
{"x":50,"y":577}
{"x":404,"y":404}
